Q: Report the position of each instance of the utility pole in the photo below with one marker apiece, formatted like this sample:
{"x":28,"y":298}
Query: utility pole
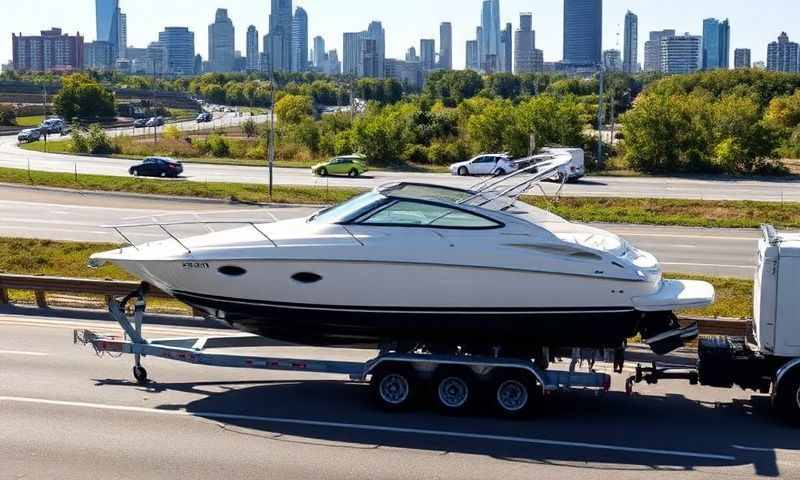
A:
{"x":44,"y":107}
{"x":600,"y":118}
{"x":153,"y":105}
{"x":271,"y":148}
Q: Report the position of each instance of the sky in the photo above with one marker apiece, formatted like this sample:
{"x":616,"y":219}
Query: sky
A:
{"x":753,"y":23}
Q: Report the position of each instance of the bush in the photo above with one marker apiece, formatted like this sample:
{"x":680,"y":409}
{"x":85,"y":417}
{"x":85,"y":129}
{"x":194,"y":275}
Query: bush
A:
{"x":78,"y":142}
{"x":171,"y":132}
{"x":294,"y":108}
{"x":8,"y":116}
{"x":250,"y":128}
{"x":218,"y":146}
{"x":415,"y":154}
{"x":98,"y":142}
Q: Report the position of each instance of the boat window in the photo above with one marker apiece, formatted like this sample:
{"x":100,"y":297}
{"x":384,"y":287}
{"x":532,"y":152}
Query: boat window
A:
{"x":413,"y":191}
{"x":351,"y":209}
{"x":427,"y":215}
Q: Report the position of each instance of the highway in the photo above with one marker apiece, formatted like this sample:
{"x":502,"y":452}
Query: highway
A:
{"x":64,"y":413}
{"x":75,"y":216}
{"x":596,"y":186}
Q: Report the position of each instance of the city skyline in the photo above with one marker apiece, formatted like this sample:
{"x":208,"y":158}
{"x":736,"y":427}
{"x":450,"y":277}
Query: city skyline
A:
{"x":331,"y":22}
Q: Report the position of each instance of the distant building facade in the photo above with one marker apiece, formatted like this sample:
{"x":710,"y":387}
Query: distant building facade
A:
{"x":782,"y":56}
{"x":741,"y":58}
{"x":107,"y":19}
{"x":50,"y":51}
{"x":300,"y":40}
{"x":427,"y":54}
{"x":527,"y":59}
{"x":630,"y":57}
{"x":583,"y":32}
{"x":319,"y":52}
{"x":408,"y":73}
{"x":716,"y":44}
{"x":612,"y":60}
{"x":681,"y":54}
{"x":506,"y":53}
{"x":98,"y":56}
{"x":473,"y":57}
{"x":252,"y":52}
{"x":278,"y":42}
{"x":221,"y":43}
{"x":178,"y":43}
{"x":652,"y":50}
{"x":489,"y":36}
{"x":446,"y":46}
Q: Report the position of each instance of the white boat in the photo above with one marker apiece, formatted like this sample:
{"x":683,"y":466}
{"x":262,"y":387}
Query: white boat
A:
{"x":412,"y":264}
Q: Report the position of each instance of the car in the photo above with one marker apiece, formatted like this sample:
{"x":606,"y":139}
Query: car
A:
{"x":155,"y":122}
{"x":350,"y":165}
{"x":157,"y":167}
{"x":205,"y":117}
{"x":485,"y":164}
{"x":29,"y":135}
{"x":52,"y":125}
{"x":140,"y":123}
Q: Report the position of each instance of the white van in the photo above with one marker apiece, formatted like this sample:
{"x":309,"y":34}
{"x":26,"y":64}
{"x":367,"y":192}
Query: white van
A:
{"x":574,"y":170}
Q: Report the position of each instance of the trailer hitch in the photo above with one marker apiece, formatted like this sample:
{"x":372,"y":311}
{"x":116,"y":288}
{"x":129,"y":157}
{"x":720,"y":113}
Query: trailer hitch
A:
{"x":656,"y":372}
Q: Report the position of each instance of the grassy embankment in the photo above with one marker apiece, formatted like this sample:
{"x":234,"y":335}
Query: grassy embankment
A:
{"x":68,"y":259}
{"x":31,"y":121}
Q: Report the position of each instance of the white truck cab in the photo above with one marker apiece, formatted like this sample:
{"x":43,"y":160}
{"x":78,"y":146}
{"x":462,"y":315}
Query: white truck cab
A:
{"x":776,"y":306}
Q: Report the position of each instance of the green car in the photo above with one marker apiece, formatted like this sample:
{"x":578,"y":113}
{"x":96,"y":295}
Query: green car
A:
{"x":351,"y":165}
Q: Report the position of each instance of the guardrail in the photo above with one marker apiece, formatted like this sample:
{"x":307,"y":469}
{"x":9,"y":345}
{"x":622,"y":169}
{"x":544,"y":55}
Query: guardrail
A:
{"x":40,"y":285}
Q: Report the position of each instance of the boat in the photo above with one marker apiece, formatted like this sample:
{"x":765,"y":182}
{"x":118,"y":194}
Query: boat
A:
{"x":411,"y":264}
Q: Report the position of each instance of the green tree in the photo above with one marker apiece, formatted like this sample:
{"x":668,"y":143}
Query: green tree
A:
{"x":82,"y":97}
{"x":294,"y":108}
{"x":453,"y":87}
{"x":380,"y":136}
{"x":505,"y":85}
{"x":249,"y":128}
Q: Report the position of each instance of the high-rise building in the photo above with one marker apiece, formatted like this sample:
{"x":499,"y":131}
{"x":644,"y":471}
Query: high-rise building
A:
{"x":427,"y":54}
{"x":123,"y":36}
{"x":352,"y":52}
{"x":506,"y":53}
{"x":652,"y":50}
{"x":158,"y":59}
{"x":411,"y":55}
{"x":782,"y":56}
{"x":376,"y":32}
{"x":221,"y":42}
{"x":741,"y":58}
{"x":300,"y":40}
{"x":716,"y":44}
{"x":473,"y":58}
{"x":479,"y":39}
{"x":253,"y":54}
{"x":368,"y":63}
{"x":107,"y":20}
{"x":612,"y":60}
{"x":681,"y":54}
{"x":489,"y":39}
{"x":178,"y":43}
{"x":98,"y":56}
{"x":319,"y":53}
{"x":630,"y":59}
{"x":198,"y":64}
{"x":48,"y":52}
{"x":278,"y":43}
{"x":583,"y":32}
{"x":334,"y":65}
{"x":446,"y":46}
{"x":526,"y":58}
{"x":408,"y":73}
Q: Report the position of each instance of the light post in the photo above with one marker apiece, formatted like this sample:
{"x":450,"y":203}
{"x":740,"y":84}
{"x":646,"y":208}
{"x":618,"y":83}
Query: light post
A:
{"x":600,"y":118}
{"x":271,"y":147}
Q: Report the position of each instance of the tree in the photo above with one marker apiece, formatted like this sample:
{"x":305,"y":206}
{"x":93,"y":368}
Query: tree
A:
{"x":8,"y":117}
{"x":294,"y":108}
{"x":249,"y":128}
{"x":381,"y":136}
{"x":83,"y":97}
{"x":505,"y":85}
{"x":453,"y":87}
{"x":213,"y":93}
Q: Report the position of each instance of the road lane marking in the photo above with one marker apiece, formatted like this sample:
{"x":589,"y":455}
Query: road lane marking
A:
{"x":29,"y":354}
{"x":709,"y":265}
{"x":697,"y":237}
{"x":371,"y":428}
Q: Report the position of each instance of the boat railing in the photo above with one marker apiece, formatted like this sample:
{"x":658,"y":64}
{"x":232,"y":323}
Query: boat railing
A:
{"x":168,"y":228}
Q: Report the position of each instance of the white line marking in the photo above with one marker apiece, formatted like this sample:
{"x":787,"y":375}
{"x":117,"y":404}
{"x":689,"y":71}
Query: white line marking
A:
{"x":29,"y":354}
{"x":674,"y":264}
{"x":698,"y":237}
{"x":371,"y":428}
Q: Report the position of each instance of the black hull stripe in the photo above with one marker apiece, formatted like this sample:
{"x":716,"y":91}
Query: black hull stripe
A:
{"x":407,"y":310}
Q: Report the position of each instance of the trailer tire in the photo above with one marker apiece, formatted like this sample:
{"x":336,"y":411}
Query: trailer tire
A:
{"x":394,"y":386}
{"x":514,"y":394}
{"x":454,"y":390}
{"x":787,"y":400}
{"x":140,"y":374}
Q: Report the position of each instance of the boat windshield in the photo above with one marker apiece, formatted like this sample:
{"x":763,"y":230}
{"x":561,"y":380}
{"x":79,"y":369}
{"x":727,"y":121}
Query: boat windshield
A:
{"x":350,"y":209}
{"x":414,"y":191}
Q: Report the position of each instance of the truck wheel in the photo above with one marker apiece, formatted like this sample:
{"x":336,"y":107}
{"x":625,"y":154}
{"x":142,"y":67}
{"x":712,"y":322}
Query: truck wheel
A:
{"x":515,"y":393}
{"x":394,"y":386}
{"x":788,"y":398}
{"x":454,"y":390}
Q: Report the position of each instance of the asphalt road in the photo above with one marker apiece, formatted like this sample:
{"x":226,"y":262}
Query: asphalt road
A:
{"x":30,"y":213}
{"x":638,"y":187}
{"x":66,"y":414}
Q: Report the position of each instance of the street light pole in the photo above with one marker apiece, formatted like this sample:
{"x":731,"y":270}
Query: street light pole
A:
{"x":271,"y":148}
{"x":44,"y":107}
{"x":600,"y":118}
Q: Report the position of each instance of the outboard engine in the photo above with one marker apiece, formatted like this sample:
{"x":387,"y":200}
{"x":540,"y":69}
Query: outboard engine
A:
{"x":663,"y":333}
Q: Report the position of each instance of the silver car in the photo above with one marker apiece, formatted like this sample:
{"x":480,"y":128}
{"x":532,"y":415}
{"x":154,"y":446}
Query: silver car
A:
{"x":29,"y":135}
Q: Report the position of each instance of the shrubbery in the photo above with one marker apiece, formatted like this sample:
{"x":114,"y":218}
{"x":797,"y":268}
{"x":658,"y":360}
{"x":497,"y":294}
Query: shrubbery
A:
{"x":8,"y":116}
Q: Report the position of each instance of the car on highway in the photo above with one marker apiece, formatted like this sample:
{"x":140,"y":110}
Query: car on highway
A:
{"x":485,"y":164}
{"x":53,"y":125}
{"x":155,"y":122}
{"x":140,"y":123}
{"x":29,"y":135}
{"x":350,"y":165}
{"x":157,"y":167}
{"x":574,"y":171}
{"x":205,"y":117}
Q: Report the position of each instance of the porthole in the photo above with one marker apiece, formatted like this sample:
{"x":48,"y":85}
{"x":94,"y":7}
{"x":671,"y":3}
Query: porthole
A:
{"x":306,"y":277}
{"x":232,"y":271}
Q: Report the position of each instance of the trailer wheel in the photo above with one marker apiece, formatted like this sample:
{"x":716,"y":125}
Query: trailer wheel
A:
{"x":454,"y":390}
{"x":394,"y":386}
{"x":788,"y":398}
{"x":140,"y":374}
{"x":515,"y":393}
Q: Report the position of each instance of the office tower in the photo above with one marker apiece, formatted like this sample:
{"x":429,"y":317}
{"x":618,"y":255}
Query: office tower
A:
{"x":505,"y":57}
{"x":158,"y":59}
{"x":319,"y":52}
{"x":178,"y":43}
{"x":198,"y":64}
{"x":490,"y":35}
{"x":716,"y":44}
{"x":630,"y":59}
{"x":782,"y":55}
{"x":681,"y":54}
{"x":408,"y":73}
{"x":253,"y":54}
{"x":278,"y":45}
{"x":612,"y":60}
{"x":376,"y":32}
{"x":583,"y":32}
{"x":300,"y":40}
{"x":352,"y":52}
{"x":427,"y":54}
{"x":741,"y":58}
{"x":446,"y":46}
{"x":98,"y":56}
{"x":411,"y":55}
{"x":473,"y":61}
{"x":525,"y":59}
{"x":479,"y":39}
{"x":652,"y":50}
{"x":334,"y":65}
{"x":48,"y":52}
{"x":123,"y":36}
{"x":221,"y":42}
{"x":108,"y":23}
{"x":368,"y":63}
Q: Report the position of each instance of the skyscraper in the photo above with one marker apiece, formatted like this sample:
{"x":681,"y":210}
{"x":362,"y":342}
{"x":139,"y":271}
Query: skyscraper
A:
{"x":300,"y":40}
{"x":446,"y":46}
{"x":368,"y":58}
{"x":123,"y":36}
{"x":473,"y":62}
{"x":583,"y":32}
{"x":782,"y":56}
{"x":178,"y":44}
{"x":741,"y":58}
{"x":278,"y":45}
{"x":612,"y":60}
{"x":107,"y":20}
{"x":253,"y":55}
{"x":319,"y":52}
{"x":652,"y":50}
{"x":681,"y":54}
{"x":376,"y":32}
{"x":716,"y":44}
{"x":50,"y":51}
{"x":630,"y":59}
{"x":489,"y":41}
{"x":221,"y":42}
{"x":427,"y":54}
{"x":352,"y":52}
{"x":506,"y":52}
{"x":525,"y":53}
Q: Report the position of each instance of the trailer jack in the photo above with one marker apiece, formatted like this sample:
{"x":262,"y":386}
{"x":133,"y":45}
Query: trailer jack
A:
{"x":656,"y":372}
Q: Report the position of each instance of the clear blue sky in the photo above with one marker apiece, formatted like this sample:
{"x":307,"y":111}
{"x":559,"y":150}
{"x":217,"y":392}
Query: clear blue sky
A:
{"x":753,"y":23}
